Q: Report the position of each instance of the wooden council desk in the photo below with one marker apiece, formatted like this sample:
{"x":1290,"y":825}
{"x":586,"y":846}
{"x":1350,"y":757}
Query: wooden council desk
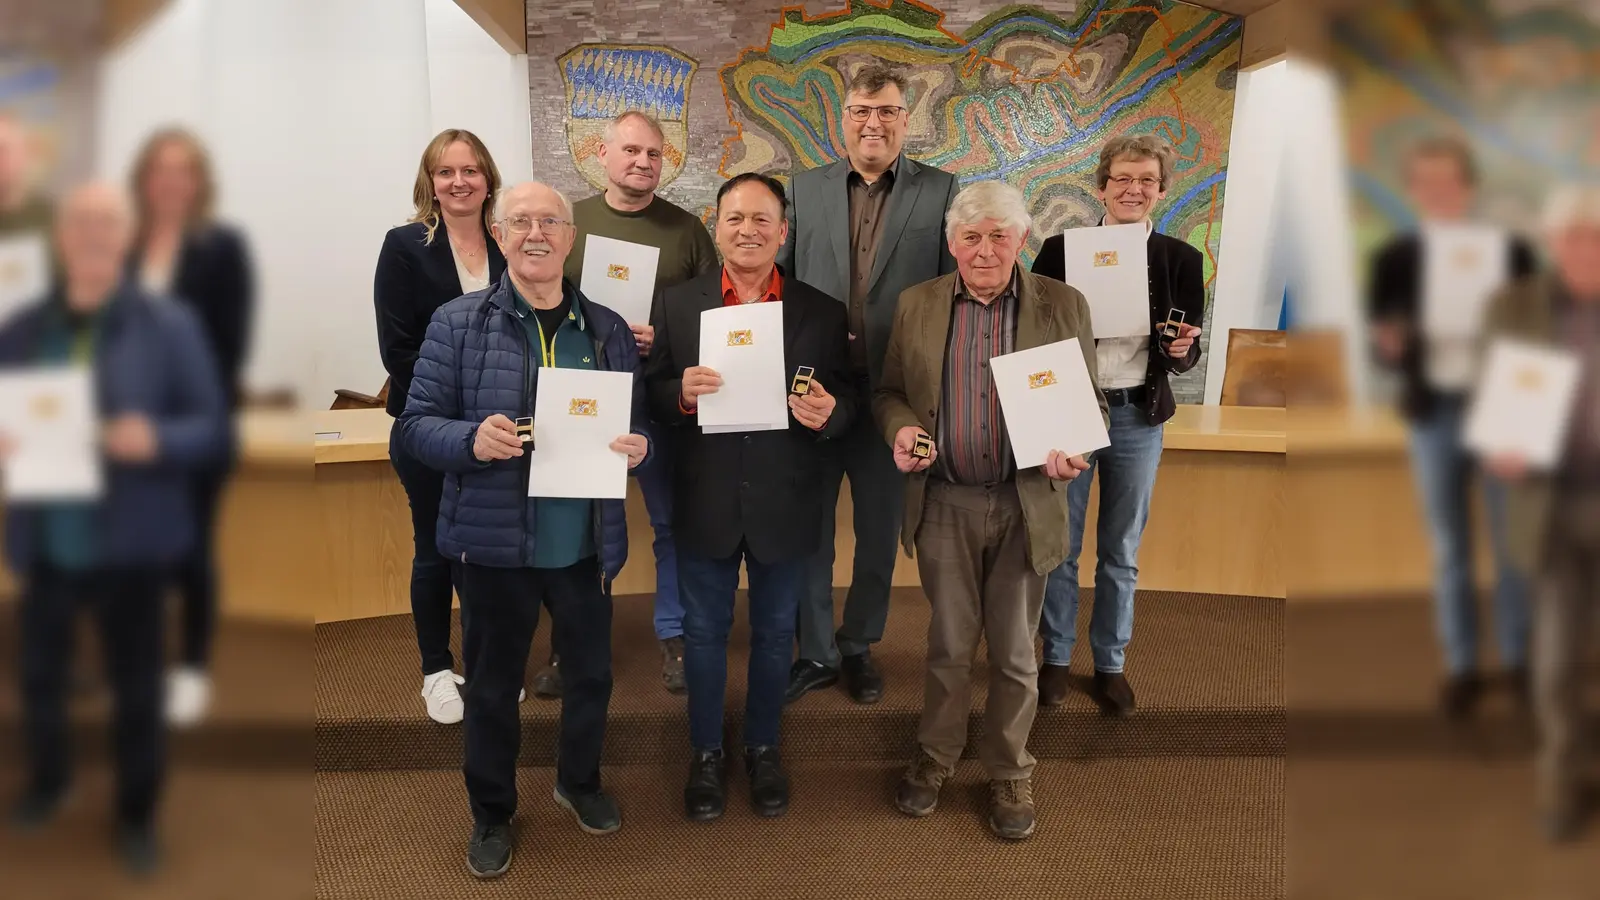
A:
{"x":1217,"y":521}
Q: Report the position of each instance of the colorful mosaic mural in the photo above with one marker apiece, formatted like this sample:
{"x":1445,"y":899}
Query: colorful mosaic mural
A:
{"x":1517,"y":79}
{"x":1025,"y":93}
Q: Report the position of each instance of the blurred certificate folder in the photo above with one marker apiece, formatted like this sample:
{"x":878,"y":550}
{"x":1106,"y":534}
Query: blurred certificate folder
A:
{"x":1462,"y":267}
{"x":48,"y":414}
{"x":1110,"y":265}
{"x":576,"y":415}
{"x":1523,"y":405}
{"x":24,"y":271}
{"x":1049,"y":402}
{"x":744,"y":344}
{"x":621,"y":276}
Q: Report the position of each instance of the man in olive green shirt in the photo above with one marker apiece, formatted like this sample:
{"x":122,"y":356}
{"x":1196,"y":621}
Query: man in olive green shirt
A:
{"x":629,"y":210}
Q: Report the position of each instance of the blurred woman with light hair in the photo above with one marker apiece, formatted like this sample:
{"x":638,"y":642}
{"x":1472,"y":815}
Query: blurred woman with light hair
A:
{"x":1555,"y":515}
{"x":181,"y":251}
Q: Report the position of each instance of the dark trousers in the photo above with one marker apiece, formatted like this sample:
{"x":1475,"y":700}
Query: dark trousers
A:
{"x":127,"y":607}
{"x":708,"y":587}
{"x":197,"y":574}
{"x":877,"y":494}
{"x":430,"y":571}
{"x":503,"y":607}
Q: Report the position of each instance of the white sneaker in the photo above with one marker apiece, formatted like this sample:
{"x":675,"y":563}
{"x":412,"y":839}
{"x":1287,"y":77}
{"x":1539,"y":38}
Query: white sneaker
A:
{"x":188,"y":696}
{"x":522,"y":694}
{"x":444,"y":701}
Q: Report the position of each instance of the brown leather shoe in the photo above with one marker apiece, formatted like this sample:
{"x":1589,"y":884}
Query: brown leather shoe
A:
{"x":672,"y":677}
{"x":1054,"y":685}
{"x":1113,"y":693}
{"x":918,"y":793}
{"x":1011,"y":809}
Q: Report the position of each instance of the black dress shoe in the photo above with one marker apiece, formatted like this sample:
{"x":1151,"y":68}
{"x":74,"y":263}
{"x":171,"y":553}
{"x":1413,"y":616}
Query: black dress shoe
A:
{"x":1113,"y":693}
{"x":1459,"y":696}
{"x":769,"y":785}
{"x":137,"y":844}
{"x":37,"y":808}
{"x":705,"y":796}
{"x":806,"y":676}
{"x":862,"y":678}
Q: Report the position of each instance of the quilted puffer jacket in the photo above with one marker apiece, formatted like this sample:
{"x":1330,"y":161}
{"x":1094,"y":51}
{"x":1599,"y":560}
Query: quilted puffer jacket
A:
{"x":475,"y":362}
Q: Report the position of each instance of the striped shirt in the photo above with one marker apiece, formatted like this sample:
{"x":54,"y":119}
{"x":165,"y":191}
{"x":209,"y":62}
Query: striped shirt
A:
{"x":973,"y":446}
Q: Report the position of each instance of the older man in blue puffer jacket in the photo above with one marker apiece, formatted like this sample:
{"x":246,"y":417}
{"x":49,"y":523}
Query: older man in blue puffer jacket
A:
{"x":477,"y":372}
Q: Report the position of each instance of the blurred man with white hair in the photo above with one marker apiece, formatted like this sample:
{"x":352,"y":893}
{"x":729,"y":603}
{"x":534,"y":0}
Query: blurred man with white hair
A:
{"x":477,"y":373}
{"x":1554,"y":517}
{"x":986,"y":534}
{"x":161,"y":399}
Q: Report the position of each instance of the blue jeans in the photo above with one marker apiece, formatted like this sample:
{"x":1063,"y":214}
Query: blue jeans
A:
{"x":1443,"y":471}
{"x":655,"y":482}
{"x":1127,"y":472}
{"x":708,"y":587}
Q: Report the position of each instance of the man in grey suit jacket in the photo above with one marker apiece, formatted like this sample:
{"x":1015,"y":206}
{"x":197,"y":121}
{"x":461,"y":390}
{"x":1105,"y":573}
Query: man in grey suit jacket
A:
{"x":862,"y":230}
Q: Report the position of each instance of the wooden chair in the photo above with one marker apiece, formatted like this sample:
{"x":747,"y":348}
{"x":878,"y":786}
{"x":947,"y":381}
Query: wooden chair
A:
{"x":344,"y":398}
{"x":1317,"y":373}
{"x":1257,"y":364}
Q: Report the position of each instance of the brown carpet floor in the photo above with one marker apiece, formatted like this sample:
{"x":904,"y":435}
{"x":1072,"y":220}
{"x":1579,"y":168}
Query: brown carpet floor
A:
{"x":1203,"y":828}
{"x":1208,"y":670}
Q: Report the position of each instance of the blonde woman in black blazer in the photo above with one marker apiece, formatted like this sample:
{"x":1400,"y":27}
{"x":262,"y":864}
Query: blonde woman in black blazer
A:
{"x":441,"y":254}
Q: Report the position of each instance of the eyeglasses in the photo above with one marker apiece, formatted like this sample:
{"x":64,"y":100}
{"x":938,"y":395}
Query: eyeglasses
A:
{"x":885,"y":113}
{"x":1123,"y":181}
{"x":524,"y":224}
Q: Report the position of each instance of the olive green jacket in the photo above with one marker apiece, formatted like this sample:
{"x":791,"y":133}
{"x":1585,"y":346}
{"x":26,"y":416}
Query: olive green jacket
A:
{"x":911,"y":392}
{"x":1525,"y":310}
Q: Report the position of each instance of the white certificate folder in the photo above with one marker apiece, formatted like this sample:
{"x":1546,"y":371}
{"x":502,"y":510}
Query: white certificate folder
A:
{"x":1049,"y":402}
{"x":744,"y":344}
{"x":49,"y":417}
{"x":1110,"y":264}
{"x":1523,"y":406}
{"x":577,"y":413}
{"x":1463,"y":266}
{"x":621,"y":276}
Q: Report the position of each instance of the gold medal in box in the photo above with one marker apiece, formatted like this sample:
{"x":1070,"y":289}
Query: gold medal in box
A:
{"x":922,"y":446}
{"x":525,"y":430}
{"x":801,"y":385}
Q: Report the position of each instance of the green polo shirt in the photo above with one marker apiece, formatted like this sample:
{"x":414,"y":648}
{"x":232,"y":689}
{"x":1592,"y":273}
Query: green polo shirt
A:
{"x":563,"y":530}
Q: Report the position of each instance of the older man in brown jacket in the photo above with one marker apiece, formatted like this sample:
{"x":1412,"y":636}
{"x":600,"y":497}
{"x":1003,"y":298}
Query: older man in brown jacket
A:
{"x":985,"y":533}
{"x":1554,"y":517}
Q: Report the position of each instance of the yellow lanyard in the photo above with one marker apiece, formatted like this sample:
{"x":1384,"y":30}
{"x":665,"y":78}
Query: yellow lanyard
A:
{"x":547,"y":352}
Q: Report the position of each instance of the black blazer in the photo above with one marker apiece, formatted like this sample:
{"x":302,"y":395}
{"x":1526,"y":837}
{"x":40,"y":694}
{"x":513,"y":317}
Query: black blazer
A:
{"x":413,"y":280}
{"x":759,"y":487}
{"x":212,"y":275}
{"x":1177,"y":279}
{"x":1394,"y":293}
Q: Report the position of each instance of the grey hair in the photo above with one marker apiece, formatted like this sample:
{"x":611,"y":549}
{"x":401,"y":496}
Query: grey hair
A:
{"x":500,"y":200}
{"x":1570,"y":206}
{"x":988,"y":200}
{"x":609,"y":135}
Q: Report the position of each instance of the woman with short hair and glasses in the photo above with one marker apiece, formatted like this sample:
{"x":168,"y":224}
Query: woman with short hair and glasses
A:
{"x":442,"y":253}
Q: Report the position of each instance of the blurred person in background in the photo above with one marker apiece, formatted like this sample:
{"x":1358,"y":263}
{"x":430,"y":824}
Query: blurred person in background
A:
{"x":180,"y":252}
{"x":164,"y":418}
{"x":22,"y":209}
{"x":441,"y":254}
{"x":1134,"y":375}
{"x":1554,"y":518}
{"x":1441,"y":176}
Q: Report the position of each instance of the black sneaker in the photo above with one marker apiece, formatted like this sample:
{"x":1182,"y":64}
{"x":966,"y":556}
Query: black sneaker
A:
{"x":37,"y":808}
{"x":547,"y":683}
{"x":137,"y":844}
{"x":706,"y":793}
{"x":596,"y":813}
{"x":806,"y":676}
{"x":769,"y":785}
{"x":489,"y":851}
{"x":1113,"y":693}
{"x":1459,"y":696}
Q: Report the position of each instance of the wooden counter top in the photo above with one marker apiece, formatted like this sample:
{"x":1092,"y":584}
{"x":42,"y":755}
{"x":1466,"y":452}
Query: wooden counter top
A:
{"x":363,"y":434}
